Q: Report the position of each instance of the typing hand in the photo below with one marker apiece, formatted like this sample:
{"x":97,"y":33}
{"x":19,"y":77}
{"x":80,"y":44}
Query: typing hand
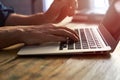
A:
{"x":46,"y":33}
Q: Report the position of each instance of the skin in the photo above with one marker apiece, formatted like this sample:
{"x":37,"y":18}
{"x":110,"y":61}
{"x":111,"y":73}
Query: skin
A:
{"x":38,"y":28}
{"x":31,"y":35}
{"x":58,"y":10}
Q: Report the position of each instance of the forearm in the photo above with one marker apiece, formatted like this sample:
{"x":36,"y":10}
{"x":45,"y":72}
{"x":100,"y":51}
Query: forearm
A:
{"x":18,"y":19}
{"x":8,"y":36}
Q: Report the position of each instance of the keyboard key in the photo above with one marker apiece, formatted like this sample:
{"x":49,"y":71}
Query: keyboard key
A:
{"x":84,"y":40}
{"x":77,"y":45}
{"x":88,"y":40}
{"x":91,"y":41}
{"x":70,"y":44}
{"x":63,"y":45}
{"x":96,"y":40}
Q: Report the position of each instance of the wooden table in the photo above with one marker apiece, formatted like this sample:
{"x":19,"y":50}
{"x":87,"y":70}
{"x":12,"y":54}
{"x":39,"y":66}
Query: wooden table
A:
{"x":64,"y":67}
{"x":77,"y":67}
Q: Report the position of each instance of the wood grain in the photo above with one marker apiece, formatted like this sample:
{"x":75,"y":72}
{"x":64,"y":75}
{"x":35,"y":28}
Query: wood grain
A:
{"x":78,"y":67}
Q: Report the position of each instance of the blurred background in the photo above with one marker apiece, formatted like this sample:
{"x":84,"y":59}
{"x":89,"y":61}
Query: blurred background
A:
{"x":34,"y":6}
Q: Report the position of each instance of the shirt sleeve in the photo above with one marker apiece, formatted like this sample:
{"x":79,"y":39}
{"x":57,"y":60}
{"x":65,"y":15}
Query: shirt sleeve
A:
{"x":4,"y":13}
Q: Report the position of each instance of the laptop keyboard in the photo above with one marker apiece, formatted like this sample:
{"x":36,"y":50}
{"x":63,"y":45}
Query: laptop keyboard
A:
{"x":87,"y":40}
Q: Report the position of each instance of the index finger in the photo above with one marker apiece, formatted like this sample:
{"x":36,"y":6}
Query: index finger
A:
{"x":68,"y":29}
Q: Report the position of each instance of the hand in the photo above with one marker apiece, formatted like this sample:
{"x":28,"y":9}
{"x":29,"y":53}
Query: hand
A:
{"x":46,"y":33}
{"x":56,"y":13}
{"x":60,"y":9}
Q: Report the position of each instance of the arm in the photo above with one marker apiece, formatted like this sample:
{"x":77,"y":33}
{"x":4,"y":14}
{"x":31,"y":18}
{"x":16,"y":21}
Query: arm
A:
{"x":31,"y":35}
{"x":19,"y":19}
{"x":58,"y":10}
{"x":8,"y":36}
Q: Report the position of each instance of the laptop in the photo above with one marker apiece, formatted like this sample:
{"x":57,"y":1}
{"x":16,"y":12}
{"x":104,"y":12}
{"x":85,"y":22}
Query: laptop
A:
{"x":93,"y":38}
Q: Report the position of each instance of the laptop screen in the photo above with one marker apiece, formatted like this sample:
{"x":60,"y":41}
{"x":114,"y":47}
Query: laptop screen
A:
{"x":112,"y":19}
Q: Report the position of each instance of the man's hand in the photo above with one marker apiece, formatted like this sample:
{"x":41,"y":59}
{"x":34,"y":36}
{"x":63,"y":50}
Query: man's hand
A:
{"x":46,"y":33}
{"x":59,"y":9}
{"x":31,"y":35}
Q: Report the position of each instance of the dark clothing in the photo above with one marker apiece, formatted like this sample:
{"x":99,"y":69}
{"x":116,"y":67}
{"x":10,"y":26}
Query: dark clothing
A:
{"x":4,"y":13}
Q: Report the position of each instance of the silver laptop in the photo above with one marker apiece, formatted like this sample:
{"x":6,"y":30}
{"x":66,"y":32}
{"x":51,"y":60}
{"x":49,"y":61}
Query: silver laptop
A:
{"x":93,"y":39}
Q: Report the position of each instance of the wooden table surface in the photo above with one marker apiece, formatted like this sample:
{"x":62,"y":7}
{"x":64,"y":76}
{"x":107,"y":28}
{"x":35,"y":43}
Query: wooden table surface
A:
{"x":67,"y":67}
{"x":59,"y":67}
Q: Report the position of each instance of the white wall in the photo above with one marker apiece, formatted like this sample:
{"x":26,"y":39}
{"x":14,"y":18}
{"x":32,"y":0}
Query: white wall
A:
{"x":46,"y":4}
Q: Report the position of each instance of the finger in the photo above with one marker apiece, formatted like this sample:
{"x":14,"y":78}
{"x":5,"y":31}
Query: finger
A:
{"x":53,"y":10}
{"x":68,"y":9}
{"x":64,"y":33}
{"x":55,"y":38}
{"x":70,"y":30}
